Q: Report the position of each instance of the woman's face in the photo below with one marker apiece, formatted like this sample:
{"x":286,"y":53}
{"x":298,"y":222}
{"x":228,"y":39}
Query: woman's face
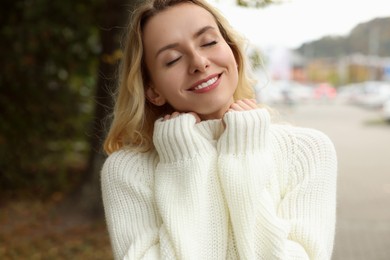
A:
{"x":191,"y":66}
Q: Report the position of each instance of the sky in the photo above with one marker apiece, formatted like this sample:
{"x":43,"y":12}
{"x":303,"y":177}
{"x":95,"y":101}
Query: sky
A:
{"x":295,"y":22}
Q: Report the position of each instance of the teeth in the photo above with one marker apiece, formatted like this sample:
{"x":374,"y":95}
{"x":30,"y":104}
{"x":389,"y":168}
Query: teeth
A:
{"x":206,"y":84}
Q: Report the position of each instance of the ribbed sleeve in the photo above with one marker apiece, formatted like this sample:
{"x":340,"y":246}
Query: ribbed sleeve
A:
{"x":246,"y":132}
{"x":245,"y":166}
{"x":188,"y":193}
{"x":176,"y":139}
{"x":280,"y":188}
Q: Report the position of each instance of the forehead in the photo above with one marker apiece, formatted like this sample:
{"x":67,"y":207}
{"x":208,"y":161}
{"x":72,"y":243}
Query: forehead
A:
{"x":175,"y":23}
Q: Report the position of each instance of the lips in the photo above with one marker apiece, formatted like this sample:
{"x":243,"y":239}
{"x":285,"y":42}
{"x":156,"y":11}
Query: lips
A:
{"x":206,"y":84}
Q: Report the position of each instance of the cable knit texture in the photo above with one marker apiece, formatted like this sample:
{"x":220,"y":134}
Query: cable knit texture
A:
{"x":241,"y":189}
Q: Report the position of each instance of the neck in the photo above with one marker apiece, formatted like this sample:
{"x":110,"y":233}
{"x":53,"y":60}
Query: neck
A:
{"x":217,"y":114}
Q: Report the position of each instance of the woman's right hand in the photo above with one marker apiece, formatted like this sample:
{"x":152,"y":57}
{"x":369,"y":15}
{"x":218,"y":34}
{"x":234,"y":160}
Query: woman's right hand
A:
{"x":244,"y":105}
{"x":176,"y":114}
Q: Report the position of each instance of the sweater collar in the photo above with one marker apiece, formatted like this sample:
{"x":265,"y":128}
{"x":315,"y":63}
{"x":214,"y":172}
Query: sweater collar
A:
{"x":210,"y":129}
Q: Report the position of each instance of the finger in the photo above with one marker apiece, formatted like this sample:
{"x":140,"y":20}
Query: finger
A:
{"x":175,"y":114}
{"x":236,"y":107}
{"x":252,"y":103}
{"x":197,"y":118}
{"x":244,"y":104}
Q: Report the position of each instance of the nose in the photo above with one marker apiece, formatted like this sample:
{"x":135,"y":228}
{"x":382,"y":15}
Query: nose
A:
{"x":198,"y":62}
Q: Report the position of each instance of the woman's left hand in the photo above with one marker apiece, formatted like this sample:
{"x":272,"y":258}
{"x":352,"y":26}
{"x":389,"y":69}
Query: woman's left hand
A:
{"x":243,"y":105}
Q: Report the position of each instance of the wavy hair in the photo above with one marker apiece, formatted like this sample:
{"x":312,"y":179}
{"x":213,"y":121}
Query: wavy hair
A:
{"x":134,"y":116}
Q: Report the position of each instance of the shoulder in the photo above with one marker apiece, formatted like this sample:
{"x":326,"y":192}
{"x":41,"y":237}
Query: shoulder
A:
{"x":301,"y":137}
{"x":127,"y":166}
{"x":313,"y":144}
{"x":308,"y":146}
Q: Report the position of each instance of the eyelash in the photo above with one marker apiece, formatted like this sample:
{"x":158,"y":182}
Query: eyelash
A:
{"x":210,"y":44}
{"x":205,"y":45}
{"x":172,"y":62}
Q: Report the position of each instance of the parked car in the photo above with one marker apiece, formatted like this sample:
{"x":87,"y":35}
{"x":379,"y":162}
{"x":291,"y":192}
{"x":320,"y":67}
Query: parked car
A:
{"x":284,"y":92}
{"x":386,"y":110}
{"x":369,"y":94}
{"x":377,"y":93}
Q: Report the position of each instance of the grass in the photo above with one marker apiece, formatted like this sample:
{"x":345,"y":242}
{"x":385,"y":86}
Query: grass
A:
{"x":30,"y":230}
{"x":376,"y":122}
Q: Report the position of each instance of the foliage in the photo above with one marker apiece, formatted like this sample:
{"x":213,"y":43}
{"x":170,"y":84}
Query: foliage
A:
{"x":256,"y":3}
{"x":255,"y":58}
{"x":48,"y":58}
{"x":371,"y":38}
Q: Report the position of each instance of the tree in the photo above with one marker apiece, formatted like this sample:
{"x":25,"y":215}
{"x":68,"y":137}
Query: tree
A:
{"x":115,"y":15}
{"x":45,"y":59}
{"x":256,"y":3}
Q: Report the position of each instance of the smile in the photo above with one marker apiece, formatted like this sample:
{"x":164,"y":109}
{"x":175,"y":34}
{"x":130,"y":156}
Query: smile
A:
{"x":207,"y":84}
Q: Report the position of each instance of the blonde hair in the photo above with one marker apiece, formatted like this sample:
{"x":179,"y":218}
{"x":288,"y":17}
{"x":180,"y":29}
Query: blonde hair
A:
{"x":134,"y":116}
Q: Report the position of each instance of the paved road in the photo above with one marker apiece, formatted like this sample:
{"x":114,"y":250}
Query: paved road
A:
{"x":363,"y":146}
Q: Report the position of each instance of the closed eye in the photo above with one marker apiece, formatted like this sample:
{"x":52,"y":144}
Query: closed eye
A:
{"x":172,"y":62}
{"x":210,"y":44}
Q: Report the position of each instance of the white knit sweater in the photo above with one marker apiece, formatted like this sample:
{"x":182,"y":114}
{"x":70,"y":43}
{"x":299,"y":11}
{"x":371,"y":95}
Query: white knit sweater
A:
{"x":250,"y":190}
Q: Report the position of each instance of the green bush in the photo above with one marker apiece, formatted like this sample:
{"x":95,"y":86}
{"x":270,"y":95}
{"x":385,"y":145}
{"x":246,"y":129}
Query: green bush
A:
{"x":48,"y":58}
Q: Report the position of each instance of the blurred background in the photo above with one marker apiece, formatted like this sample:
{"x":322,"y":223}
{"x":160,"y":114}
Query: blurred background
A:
{"x":323,"y":64}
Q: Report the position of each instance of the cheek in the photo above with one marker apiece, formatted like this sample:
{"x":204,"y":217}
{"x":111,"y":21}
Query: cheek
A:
{"x":226,"y":56}
{"x":231,"y":63}
{"x":167,"y":82}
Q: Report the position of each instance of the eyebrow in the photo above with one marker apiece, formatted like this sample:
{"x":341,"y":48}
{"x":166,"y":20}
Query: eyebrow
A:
{"x":196,"y":35}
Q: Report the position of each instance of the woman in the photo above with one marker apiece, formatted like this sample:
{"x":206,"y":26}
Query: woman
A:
{"x":196,"y":169}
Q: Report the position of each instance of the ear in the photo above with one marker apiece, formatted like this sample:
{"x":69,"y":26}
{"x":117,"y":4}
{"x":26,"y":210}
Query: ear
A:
{"x":154,"y":97}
